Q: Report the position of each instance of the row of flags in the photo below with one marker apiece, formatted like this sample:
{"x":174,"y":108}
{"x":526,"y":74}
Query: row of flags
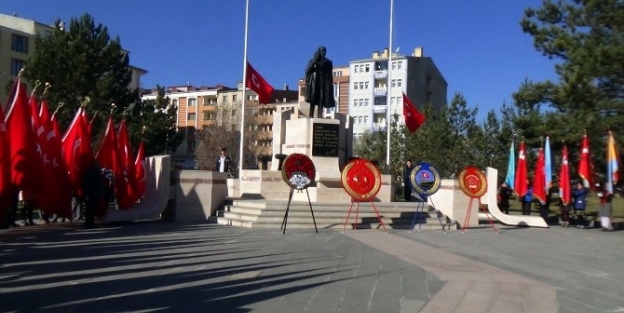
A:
{"x":517,"y":177}
{"x":34,"y":158}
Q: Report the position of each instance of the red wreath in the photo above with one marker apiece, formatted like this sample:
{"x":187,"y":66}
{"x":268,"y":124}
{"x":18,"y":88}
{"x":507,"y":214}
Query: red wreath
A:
{"x":298,"y":162}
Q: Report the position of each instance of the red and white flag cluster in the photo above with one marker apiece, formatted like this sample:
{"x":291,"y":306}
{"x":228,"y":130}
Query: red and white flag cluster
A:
{"x":33,"y":157}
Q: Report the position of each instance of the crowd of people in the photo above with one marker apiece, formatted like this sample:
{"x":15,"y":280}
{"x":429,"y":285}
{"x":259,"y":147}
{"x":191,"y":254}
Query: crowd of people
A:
{"x":97,"y":187}
{"x":576,"y":207}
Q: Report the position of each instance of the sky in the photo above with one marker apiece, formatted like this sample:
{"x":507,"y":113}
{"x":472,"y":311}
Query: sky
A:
{"x":478,"y":46}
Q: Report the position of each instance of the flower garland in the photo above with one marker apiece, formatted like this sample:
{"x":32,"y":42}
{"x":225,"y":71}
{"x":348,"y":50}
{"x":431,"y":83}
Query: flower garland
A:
{"x":298,"y":171}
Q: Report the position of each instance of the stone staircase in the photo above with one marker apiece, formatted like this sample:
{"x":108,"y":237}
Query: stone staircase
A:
{"x":270,"y":213}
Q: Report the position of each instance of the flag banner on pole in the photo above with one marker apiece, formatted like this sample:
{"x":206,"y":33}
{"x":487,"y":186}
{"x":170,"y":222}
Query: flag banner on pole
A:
{"x":564,"y":178}
{"x":511,"y":166}
{"x":613,"y":169}
{"x":413,"y":119}
{"x":127,"y":162}
{"x":26,"y":165}
{"x":520,"y":183}
{"x":257,"y":83}
{"x":539,"y":182}
{"x":585,"y":167}
{"x":6,"y":189}
{"x":139,"y":170}
{"x":547,"y":165}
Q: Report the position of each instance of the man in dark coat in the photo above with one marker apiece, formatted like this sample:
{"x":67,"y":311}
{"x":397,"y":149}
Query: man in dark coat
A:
{"x":224,"y":163}
{"x":319,"y":82}
{"x":407,"y":183}
{"x":94,"y":189}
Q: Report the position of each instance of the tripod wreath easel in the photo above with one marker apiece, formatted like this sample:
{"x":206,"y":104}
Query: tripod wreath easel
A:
{"x":474,"y":185}
{"x":298,"y":172}
{"x":361,"y":180}
{"x":425,"y":180}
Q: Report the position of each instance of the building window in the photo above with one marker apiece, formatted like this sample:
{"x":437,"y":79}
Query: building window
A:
{"x":225,"y":99}
{"x":234,"y":98}
{"x":361,"y":85}
{"x":367,"y":68}
{"x":399,"y":82}
{"x":174,"y":102}
{"x":336,"y":90}
{"x":17,"y":66}
{"x":190,"y":117}
{"x":365,"y":119}
{"x":366,"y":102}
{"x":19,"y":43}
{"x":192,"y":102}
{"x":399,"y":64}
{"x":355,"y":85}
{"x":337,"y":73}
{"x":366,"y":85}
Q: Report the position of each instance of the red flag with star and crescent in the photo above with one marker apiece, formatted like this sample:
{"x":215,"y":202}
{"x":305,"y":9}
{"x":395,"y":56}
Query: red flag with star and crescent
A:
{"x":26,"y":166}
{"x":56,"y":197}
{"x":6,"y":189}
{"x":520,"y":184}
{"x":257,"y":83}
{"x":413,"y":118}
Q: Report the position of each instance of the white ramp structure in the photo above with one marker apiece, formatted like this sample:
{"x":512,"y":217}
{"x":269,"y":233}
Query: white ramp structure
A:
{"x":490,"y":199}
{"x":157,"y":172}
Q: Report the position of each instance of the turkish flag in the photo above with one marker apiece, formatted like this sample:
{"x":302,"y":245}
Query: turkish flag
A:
{"x":539,"y":182}
{"x":256,"y":83}
{"x":564,"y":178}
{"x":585,"y":165}
{"x":77,"y":152}
{"x":139,"y":170}
{"x":6,"y":189}
{"x":520,"y":184}
{"x":56,"y":197}
{"x":26,"y":166}
{"x":413,"y":119}
{"x":34,"y":109}
{"x":109,"y":157}
{"x":127,"y":162}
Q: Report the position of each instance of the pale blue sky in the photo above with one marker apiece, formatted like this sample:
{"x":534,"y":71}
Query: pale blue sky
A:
{"x":478,"y":45}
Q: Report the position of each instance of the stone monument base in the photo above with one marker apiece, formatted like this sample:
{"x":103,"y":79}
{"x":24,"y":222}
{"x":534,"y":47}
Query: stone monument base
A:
{"x":270,"y":185}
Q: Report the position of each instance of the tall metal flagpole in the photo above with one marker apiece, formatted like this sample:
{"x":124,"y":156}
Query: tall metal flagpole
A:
{"x":242,"y":123}
{"x":389,"y":87}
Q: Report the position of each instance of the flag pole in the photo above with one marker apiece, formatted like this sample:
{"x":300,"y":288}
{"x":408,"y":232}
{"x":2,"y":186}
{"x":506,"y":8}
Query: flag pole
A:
{"x":389,"y":87}
{"x":242,"y":123}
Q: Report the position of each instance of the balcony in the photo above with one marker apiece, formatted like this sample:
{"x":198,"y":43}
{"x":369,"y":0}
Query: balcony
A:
{"x":380,"y":91}
{"x":380,"y":74}
{"x":379,"y":108}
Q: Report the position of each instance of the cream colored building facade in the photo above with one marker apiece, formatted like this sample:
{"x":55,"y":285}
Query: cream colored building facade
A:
{"x":17,"y":44}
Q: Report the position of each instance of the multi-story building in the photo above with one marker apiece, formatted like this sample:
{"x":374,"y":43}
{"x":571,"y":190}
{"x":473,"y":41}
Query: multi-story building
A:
{"x":369,"y":89}
{"x":17,"y":44}
{"x":200,"y":107}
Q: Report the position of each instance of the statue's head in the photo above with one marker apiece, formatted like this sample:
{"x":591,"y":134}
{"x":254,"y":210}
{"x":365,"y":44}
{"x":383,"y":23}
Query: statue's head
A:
{"x":322,"y":50}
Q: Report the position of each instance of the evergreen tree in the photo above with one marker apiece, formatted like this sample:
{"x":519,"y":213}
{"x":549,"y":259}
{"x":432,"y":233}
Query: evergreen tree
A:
{"x":584,"y":38}
{"x":154,"y":123}
{"x":82,"y":62}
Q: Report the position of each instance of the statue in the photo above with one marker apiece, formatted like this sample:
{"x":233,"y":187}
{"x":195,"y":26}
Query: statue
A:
{"x":319,"y":82}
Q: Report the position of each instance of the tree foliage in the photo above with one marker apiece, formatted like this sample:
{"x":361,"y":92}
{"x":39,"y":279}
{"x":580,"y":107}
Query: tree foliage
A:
{"x":154,"y":123}
{"x":225,"y":133}
{"x":585,"y":40}
{"x":83,"y":62}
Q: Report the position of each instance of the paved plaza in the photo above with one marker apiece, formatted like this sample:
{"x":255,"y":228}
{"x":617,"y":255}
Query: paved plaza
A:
{"x":170,"y":267}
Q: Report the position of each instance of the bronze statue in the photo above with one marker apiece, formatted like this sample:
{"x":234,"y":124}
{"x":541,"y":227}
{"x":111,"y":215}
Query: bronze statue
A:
{"x":319,"y":83}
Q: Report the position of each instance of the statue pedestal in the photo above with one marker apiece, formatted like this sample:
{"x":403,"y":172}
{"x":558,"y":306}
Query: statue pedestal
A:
{"x":452,"y":202}
{"x":327,"y":142}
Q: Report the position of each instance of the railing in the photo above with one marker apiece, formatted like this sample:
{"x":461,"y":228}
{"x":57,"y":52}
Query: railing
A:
{"x":381,"y":74}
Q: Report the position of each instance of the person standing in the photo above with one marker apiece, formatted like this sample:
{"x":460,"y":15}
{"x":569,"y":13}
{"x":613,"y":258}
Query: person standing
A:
{"x":224,"y":163}
{"x":502,"y":197}
{"x":527,"y":200}
{"x":606,"y":208}
{"x":28,"y":206}
{"x":94,"y":188}
{"x":407,"y":189}
{"x":580,"y":203}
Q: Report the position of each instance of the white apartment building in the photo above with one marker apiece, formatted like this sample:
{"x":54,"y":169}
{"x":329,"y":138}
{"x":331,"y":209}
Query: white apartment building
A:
{"x":369,"y":89}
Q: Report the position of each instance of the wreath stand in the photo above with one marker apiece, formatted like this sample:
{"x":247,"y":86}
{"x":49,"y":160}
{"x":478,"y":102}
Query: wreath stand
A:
{"x":357,"y":211}
{"x":421,"y":205}
{"x":467,"y":218}
{"x":285,"y":220}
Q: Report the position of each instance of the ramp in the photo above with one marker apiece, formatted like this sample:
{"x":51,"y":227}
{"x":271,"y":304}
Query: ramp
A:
{"x":157,"y":172}
{"x":512,"y":220}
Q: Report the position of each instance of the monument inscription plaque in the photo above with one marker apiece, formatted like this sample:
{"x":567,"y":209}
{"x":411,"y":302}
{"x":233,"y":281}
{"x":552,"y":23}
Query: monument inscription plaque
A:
{"x":325,"y":139}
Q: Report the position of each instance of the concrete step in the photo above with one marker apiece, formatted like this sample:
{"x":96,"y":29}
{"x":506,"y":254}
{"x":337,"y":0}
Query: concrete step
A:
{"x":325,"y":213}
{"x":339,"y":226}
